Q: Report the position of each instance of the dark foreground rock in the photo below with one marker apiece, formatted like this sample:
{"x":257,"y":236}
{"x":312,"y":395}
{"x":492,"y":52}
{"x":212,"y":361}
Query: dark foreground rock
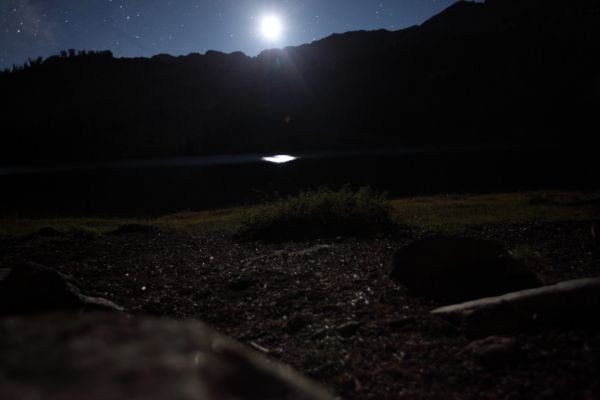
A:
{"x":31,"y":288}
{"x":575,"y":302}
{"x":112,"y":356}
{"x":495,"y":351}
{"x":459,"y":268}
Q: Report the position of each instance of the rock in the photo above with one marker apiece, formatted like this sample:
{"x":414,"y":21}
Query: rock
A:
{"x":113,"y":356}
{"x":436,"y":327}
{"x":348,"y":329}
{"x":4,"y":273}
{"x":494,"y":351}
{"x":31,"y":288}
{"x":459,"y":269}
{"x":504,"y":319}
{"x":575,"y":302}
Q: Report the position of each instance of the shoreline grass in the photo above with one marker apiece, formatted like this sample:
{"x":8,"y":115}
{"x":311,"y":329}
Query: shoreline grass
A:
{"x":442,"y":212}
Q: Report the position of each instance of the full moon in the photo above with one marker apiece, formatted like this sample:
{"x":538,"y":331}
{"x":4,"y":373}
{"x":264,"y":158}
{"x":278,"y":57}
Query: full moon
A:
{"x":271,"y":27}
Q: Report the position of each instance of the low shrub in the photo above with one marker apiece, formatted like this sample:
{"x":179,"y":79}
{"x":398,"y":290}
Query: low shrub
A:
{"x":49,"y":231}
{"x":320,"y":213}
{"x":82,"y":232}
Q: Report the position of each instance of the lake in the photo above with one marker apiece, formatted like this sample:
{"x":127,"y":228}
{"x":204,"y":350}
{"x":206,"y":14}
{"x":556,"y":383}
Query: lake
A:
{"x":159,"y":186}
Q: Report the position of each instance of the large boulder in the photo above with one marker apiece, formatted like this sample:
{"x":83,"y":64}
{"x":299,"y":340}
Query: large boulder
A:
{"x":570,"y":303}
{"x":112,"y":356}
{"x":31,"y":288}
{"x":494,"y":351}
{"x":458,"y":268}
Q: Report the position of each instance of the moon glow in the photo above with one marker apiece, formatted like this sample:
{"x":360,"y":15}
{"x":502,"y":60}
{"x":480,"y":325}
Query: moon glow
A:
{"x":271,"y":27}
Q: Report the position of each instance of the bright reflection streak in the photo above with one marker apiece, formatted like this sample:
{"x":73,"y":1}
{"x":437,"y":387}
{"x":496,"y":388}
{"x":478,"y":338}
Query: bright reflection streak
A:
{"x":279,"y":159}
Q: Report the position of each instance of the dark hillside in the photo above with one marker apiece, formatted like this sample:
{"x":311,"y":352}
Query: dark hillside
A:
{"x":501,"y":72}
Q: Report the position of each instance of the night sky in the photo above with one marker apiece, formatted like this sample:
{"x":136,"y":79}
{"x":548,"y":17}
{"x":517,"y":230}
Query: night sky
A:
{"x":32,"y":28}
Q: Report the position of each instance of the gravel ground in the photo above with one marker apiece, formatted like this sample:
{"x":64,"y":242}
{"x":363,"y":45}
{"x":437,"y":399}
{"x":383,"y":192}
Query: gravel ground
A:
{"x":328,"y":308}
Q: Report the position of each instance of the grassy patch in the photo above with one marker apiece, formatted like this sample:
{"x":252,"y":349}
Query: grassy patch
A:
{"x":441,"y":213}
{"x":72,"y":230}
{"x":450,"y":213}
{"x":320,"y":213}
{"x":186,"y":221}
{"x":60,"y":226}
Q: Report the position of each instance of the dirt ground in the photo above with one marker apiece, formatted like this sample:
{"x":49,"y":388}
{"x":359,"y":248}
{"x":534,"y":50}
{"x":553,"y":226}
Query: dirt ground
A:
{"x":328,"y":308}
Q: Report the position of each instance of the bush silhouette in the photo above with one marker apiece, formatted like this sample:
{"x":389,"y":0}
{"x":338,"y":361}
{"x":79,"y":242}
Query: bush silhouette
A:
{"x":320,"y":213}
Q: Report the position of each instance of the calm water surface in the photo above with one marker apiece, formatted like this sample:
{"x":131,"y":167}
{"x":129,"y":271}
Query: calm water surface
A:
{"x":156,"y":186}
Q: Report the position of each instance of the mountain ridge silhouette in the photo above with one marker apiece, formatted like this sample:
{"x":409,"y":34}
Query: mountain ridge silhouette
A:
{"x":503,"y":71}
